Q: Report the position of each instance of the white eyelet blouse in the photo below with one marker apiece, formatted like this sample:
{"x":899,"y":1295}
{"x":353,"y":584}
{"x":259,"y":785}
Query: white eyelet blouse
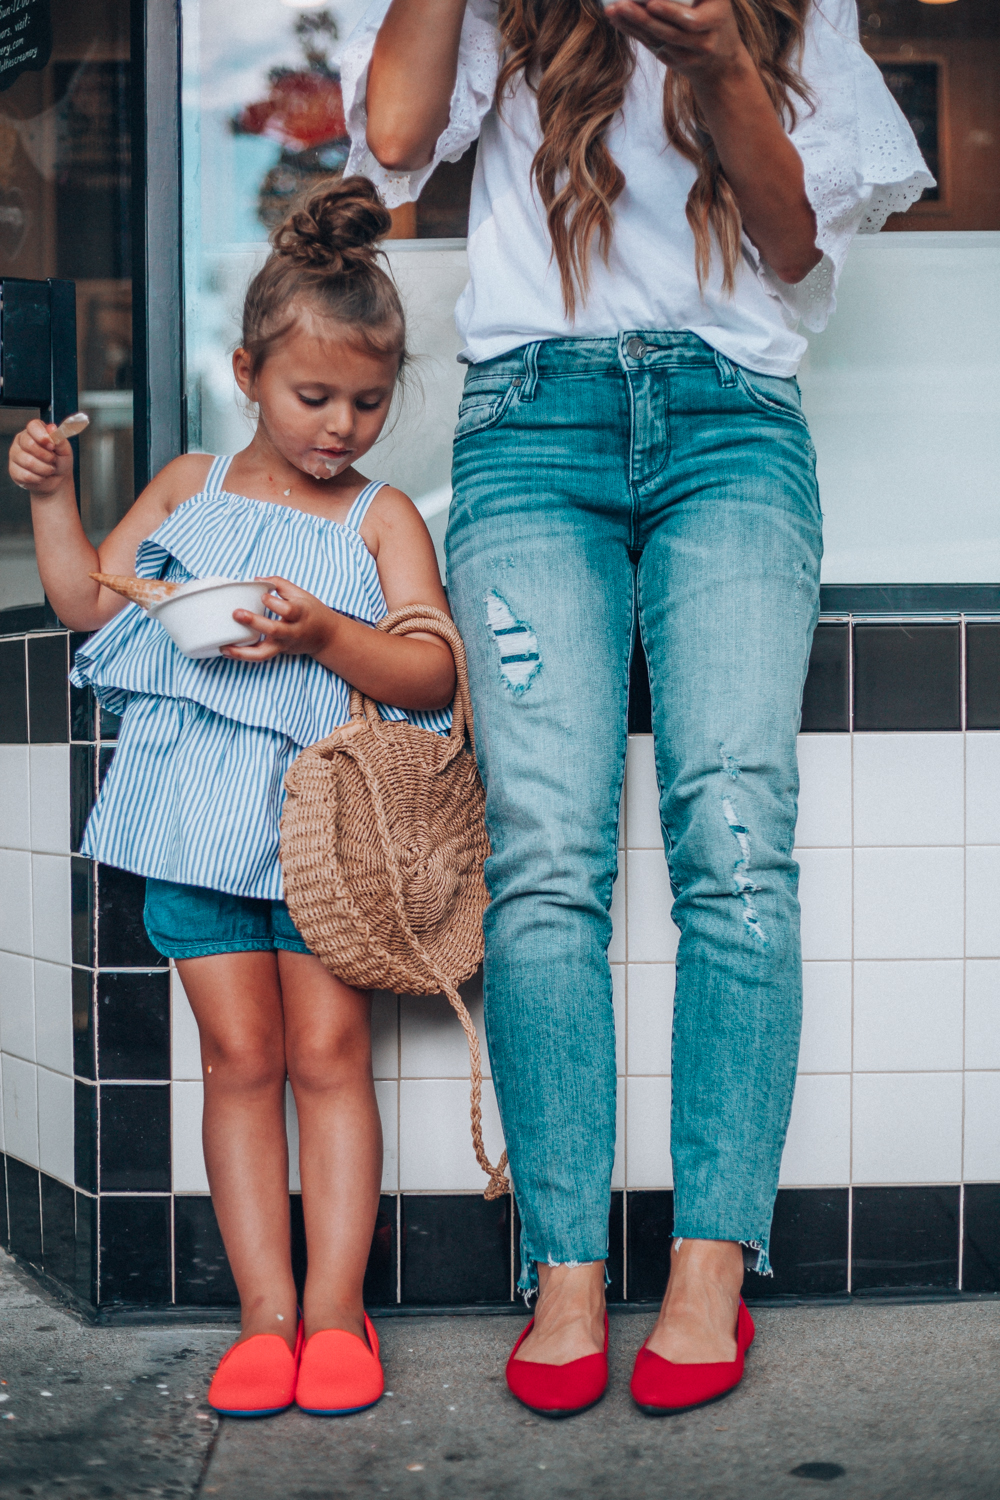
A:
{"x":861,"y":164}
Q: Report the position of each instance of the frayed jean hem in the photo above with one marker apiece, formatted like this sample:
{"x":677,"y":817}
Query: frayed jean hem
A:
{"x":527,"y":1283}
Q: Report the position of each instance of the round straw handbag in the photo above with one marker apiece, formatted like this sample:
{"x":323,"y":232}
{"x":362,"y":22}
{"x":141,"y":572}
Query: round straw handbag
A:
{"x":383,"y":844}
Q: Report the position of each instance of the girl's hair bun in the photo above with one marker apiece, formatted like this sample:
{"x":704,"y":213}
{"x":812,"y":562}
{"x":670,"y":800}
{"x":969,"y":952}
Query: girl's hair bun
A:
{"x":336,"y":229}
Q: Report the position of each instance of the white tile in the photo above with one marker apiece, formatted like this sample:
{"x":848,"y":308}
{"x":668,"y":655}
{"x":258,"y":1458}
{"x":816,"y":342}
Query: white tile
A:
{"x":618,"y":1165}
{"x":908,"y":903}
{"x":825,"y":898}
{"x":824,"y":791}
{"x":909,"y":789}
{"x":17,"y":1006}
{"x":826,"y":1018}
{"x":292,"y":1131}
{"x":907,"y":1127}
{"x":982,"y":1127}
{"x":15,"y":798}
{"x":617,"y":946}
{"x":188,"y":1157}
{"x":652,"y":936}
{"x":622,"y":819}
{"x":185,"y":1046}
{"x":908,"y":1016}
{"x":435,"y":1144}
{"x":621,"y":1013}
{"x":818,"y":1145}
{"x":20,"y":1109}
{"x":54,"y":1017}
{"x":49,"y":798}
{"x":982,"y":777}
{"x":50,"y":902}
{"x":650,"y":1018}
{"x":643,"y":795}
{"x":432,"y":1042}
{"x":982,"y":1013}
{"x":385,"y":1034}
{"x":15,"y":901}
{"x":55,"y":1125}
{"x":387,"y":1094}
{"x":982,"y":902}
{"x":647,"y":1114}
{"x":2,"y":1144}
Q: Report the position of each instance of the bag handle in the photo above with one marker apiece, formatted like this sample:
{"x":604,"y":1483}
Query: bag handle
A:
{"x":407,"y":621}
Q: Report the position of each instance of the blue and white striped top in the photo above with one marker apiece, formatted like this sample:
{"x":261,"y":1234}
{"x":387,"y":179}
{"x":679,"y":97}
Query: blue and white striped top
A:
{"x":195,"y":789}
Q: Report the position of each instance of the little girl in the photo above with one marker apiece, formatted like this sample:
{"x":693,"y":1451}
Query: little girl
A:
{"x":193,"y":797}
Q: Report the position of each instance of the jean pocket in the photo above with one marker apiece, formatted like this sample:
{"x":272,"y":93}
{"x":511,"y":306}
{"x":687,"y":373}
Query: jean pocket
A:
{"x":483,"y":407}
{"x":772,"y":393}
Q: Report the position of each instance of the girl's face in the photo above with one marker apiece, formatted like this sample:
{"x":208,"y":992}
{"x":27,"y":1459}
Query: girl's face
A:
{"x":322,"y":399}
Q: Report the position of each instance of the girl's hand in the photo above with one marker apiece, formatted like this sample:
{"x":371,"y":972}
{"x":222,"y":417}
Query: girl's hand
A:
{"x":305,"y":626}
{"x":38,"y":464}
{"x":701,"y":41}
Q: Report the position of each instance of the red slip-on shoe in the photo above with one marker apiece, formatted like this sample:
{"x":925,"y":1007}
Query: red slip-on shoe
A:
{"x":339,"y":1373}
{"x":256,"y":1377}
{"x":660,"y":1388}
{"x":558,"y":1390}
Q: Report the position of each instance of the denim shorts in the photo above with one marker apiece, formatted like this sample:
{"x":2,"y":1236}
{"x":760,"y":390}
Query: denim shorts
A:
{"x":189,"y":921}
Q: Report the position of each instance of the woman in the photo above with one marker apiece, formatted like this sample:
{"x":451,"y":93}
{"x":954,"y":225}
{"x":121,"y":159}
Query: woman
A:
{"x":661,"y":193}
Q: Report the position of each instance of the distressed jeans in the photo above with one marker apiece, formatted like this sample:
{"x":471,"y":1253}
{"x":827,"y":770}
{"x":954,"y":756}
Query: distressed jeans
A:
{"x":597,"y":482}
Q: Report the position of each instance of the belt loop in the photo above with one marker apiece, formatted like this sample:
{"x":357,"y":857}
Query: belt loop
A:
{"x":527,"y":391}
{"x":727,"y":374}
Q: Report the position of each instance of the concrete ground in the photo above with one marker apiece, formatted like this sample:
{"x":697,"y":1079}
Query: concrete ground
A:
{"x":885,"y":1402}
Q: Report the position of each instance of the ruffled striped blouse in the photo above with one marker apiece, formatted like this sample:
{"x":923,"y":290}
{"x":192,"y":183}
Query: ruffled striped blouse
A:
{"x":196,"y":786}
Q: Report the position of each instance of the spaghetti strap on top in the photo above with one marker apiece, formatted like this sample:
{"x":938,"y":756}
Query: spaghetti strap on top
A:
{"x":195,"y":789}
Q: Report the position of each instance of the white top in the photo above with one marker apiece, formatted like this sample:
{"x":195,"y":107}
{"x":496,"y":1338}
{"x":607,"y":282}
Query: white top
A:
{"x":861,"y":164}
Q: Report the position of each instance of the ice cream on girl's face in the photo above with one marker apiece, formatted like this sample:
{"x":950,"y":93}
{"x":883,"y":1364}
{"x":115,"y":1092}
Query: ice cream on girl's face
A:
{"x":322,"y":397}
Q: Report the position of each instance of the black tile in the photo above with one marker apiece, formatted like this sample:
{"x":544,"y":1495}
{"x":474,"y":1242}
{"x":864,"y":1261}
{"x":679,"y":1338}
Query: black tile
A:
{"x":905,"y":1238}
{"x":135,"y":1138}
{"x":109,"y":723}
{"x":82,"y":704}
{"x":85,"y":1136}
{"x":981,"y":1253}
{"x":640,"y":708}
{"x":82,"y":897}
{"x":455,"y":1250}
{"x":982,"y":676}
{"x":202,"y":1277}
{"x":135,"y":1250}
{"x":907,"y":677}
{"x":105,"y":756}
{"x":298,"y":1230}
{"x":48,"y":689}
{"x":82,"y":790}
{"x":84,"y":1035}
{"x":616,"y":1249}
{"x":4,"y":1227}
{"x":24,"y":1210}
{"x":808,"y":1252}
{"x":133,"y":1025}
{"x":85,"y":1280}
{"x":58,"y":1230}
{"x":380,"y":1274}
{"x":650,"y":1234}
{"x":121,"y":934}
{"x":826,"y":700}
{"x":13,"y":694}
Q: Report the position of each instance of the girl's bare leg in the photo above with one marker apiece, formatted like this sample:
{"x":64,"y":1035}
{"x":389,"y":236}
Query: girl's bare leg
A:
{"x":329,"y":1055}
{"x":236,"y":998}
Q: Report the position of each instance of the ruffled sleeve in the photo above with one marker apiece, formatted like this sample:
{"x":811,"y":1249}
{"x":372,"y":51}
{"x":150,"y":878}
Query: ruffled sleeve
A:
{"x":861,"y":159}
{"x":471,"y":100}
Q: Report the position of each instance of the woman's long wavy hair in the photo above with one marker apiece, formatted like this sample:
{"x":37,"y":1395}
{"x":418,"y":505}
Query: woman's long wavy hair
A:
{"x":579,"y":67}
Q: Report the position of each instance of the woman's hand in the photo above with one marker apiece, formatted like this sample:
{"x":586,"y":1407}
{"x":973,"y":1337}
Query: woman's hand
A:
{"x":305,"y":626}
{"x":700,"y":41}
{"x":38,"y":464}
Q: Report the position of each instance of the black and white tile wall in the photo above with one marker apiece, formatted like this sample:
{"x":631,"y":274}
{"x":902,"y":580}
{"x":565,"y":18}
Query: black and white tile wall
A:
{"x":891,"y":1175}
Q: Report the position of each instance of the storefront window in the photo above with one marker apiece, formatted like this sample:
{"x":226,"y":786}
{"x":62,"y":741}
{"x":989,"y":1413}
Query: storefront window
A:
{"x":64,"y":212}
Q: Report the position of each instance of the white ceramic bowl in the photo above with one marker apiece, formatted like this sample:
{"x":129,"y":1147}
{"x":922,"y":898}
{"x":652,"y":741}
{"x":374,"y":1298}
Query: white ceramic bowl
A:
{"x":199,"y":617}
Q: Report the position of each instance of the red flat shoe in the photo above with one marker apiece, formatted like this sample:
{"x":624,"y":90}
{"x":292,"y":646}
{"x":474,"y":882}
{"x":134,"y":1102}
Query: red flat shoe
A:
{"x":256,"y":1377}
{"x":339,"y":1373}
{"x":558,"y":1390}
{"x":661,"y":1389}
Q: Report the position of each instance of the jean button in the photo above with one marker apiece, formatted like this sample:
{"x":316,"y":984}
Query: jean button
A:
{"x":635,"y":348}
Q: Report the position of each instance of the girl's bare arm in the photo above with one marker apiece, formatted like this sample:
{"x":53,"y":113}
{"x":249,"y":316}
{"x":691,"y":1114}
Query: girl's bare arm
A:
{"x":410,"y":80}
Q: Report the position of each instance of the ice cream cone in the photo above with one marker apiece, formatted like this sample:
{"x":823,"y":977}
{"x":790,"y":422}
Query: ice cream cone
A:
{"x":145,"y":591}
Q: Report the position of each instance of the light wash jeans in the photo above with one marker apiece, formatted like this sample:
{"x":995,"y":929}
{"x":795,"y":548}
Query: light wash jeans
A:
{"x":591,"y":476}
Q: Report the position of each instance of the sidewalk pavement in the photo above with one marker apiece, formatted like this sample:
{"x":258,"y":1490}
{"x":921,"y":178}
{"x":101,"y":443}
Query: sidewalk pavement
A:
{"x":859,"y":1402}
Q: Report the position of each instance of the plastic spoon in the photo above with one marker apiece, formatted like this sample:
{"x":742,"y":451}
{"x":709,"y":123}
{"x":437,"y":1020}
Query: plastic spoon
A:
{"x":71,"y":427}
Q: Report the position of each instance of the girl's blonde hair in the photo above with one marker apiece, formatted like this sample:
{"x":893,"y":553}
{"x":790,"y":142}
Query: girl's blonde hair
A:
{"x":325,"y":255}
{"x":579,"y":67}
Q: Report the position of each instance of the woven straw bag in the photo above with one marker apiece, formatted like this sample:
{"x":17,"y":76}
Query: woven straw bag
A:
{"x":383,"y":844}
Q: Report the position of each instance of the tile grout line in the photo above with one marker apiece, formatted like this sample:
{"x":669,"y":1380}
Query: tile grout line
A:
{"x":850,"y":1086}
